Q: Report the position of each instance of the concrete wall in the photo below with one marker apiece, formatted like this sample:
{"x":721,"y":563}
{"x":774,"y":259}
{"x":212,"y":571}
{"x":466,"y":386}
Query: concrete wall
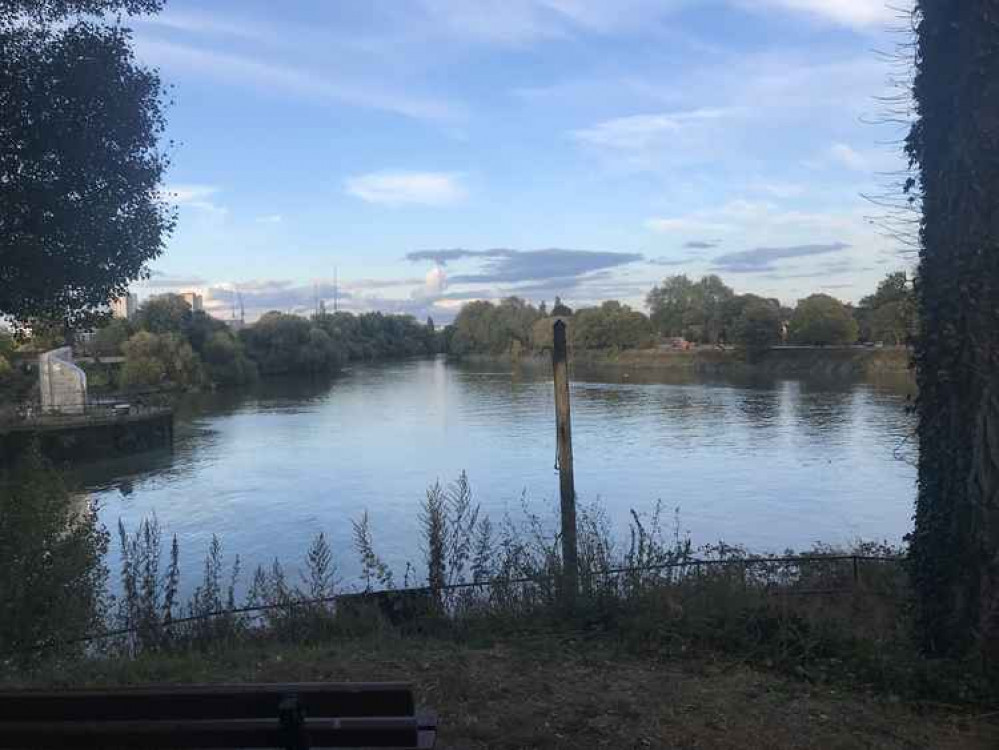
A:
{"x":63,"y":385}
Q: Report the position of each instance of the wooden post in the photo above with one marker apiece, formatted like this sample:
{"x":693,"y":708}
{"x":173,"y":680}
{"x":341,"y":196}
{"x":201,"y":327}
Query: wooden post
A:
{"x":567,"y":486}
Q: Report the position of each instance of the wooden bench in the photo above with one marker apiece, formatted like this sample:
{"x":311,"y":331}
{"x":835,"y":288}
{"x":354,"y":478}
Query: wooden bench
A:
{"x":295,"y":716}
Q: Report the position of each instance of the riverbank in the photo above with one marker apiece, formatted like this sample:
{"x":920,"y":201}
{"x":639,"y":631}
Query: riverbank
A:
{"x":569,"y":690}
{"x":790,"y":362}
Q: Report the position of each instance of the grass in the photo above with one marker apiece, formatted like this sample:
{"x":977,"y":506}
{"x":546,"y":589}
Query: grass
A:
{"x":540,"y":688}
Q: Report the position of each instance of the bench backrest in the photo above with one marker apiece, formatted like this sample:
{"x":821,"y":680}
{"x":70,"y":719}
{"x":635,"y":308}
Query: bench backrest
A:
{"x":294,"y":715}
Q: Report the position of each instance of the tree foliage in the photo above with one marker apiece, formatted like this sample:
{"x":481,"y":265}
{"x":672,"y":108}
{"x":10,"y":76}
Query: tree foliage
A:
{"x":955,"y":145}
{"x":758,"y":326}
{"x":610,"y":326}
{"x":821,"y":320}
{"x":888,"y":315}
{"x":482,"y":327}
{"x":52,"y":572}
{"x":81,"y":212}
{"x":160,"y":360}
{"x":283,"y":344}
{"x":699,"y":311}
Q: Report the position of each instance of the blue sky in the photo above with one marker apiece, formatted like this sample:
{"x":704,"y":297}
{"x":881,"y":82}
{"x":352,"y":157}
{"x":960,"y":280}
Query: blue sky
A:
{"x":435,"y":151}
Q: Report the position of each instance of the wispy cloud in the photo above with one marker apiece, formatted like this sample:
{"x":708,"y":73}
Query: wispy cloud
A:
{"x":849,"y":157}
{"x":701,"y":244}
{"x":407,"y":188}
{"x":509,"y":266}
{"x":857,"y":14}
{"x":160,"y":280}
{"x":193,"y":196}
{"x":522,"y":22}
{"x":671,"y":261}
{"x":641,"y":132}
{"x":269,"y":219}
{"x":762,"y":259}
{"x":686,"y":225}
{"x":284,"y":80}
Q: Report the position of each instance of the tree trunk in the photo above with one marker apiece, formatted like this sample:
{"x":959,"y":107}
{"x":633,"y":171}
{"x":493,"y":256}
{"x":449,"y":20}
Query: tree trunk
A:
{"x":955,"y":143}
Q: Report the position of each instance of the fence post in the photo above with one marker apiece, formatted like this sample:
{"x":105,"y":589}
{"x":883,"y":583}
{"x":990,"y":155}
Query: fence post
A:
{"x":567,"y":489}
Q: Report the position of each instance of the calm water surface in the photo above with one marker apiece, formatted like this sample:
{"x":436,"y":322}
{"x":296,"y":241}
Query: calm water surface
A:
{"x":769,"y":464}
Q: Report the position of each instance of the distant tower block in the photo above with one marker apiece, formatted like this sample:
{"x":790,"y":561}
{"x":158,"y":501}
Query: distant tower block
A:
{"x":195,"y":300}
{"x":124,"y":307}
{"x":63,"y":385}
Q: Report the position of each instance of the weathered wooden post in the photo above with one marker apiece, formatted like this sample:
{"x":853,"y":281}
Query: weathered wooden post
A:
{"x":567,"y":486}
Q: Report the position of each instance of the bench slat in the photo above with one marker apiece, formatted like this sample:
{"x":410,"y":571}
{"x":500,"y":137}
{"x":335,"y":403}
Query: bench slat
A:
{"x":398,"y":732}
{"x":245,"y":701}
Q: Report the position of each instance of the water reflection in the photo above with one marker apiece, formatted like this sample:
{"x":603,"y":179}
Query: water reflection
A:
{"x":768,"y":463}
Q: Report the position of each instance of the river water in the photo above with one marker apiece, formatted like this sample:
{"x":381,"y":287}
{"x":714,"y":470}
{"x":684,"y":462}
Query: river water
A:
{"x":768,"y":464}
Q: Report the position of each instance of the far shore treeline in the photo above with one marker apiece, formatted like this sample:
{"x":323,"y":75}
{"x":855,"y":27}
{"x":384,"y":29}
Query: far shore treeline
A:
{"x":168,"y":345}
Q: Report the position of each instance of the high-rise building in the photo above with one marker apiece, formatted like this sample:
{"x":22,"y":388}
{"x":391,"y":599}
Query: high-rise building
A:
{"x":125,"y":306}
{"x":195,"y":300}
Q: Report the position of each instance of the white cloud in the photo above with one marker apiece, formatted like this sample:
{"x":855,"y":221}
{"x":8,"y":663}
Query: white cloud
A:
{"x":686,"y":225}
{"x":639,"y":132}
{"x":857,"y":14}
{"x":849,"y":157}
{"x":520,"y":22}
{"x":756,"y":218}
{"x":203,"y":23}
{"x":269,"y":219}
{"x":283,"y":79}
{"x":407,"y":188}
{"x":433,"y":285}
{"x":193,"y":196}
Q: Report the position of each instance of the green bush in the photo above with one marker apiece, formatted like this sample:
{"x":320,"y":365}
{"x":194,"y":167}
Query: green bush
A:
{"x":52,"y":573}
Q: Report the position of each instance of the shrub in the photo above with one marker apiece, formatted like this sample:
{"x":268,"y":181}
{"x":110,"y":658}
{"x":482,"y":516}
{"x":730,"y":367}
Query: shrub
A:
{"x":52,"y":572}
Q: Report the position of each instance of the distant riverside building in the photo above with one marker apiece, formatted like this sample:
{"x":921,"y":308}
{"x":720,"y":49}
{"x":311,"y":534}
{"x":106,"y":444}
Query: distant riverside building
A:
{"x":125,"y":306}
{"x":195,"y":300}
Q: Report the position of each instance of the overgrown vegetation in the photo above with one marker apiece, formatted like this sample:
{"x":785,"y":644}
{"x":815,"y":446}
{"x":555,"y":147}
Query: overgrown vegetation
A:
{"x":650,"y":592}
{"x":52,"y":571}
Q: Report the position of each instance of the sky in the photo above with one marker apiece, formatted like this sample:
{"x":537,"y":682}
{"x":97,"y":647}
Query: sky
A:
{"x":429,"y":152}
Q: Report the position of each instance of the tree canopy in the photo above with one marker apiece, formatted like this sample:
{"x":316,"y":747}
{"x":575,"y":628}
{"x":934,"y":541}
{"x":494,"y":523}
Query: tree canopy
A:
{"x":821,"y":320}
{"x":699,"y":311}
{"x":758,"y":325}
{"x":81,"y":209}
{"x":889,"y":314}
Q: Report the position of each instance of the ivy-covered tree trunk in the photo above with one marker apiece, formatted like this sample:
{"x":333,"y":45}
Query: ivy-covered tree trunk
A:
{"x":955,"y":144}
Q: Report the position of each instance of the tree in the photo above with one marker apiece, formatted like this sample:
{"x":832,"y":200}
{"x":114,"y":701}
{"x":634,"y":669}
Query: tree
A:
{"x":758,"y":325}
{"x":284,"y":344}
{"x":955,"y":544}
{"x":889,"y":314}
{"x":109,"y":339}
{"x":560,"y":309}
{"x":225,"y":360}
{"x":669,"y":303}
{"x":483,"y":327}
{"x":821,"y":320}
{"x":81,"y":212}
{"x":158,"y":360}
{"x":52,"y":570}
{"x":610,"y":326}
{"x":705,"y":320}
{"x":165,"y":313}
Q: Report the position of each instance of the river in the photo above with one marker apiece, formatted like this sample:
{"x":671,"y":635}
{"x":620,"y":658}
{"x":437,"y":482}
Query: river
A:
{"x":768,"y":464}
